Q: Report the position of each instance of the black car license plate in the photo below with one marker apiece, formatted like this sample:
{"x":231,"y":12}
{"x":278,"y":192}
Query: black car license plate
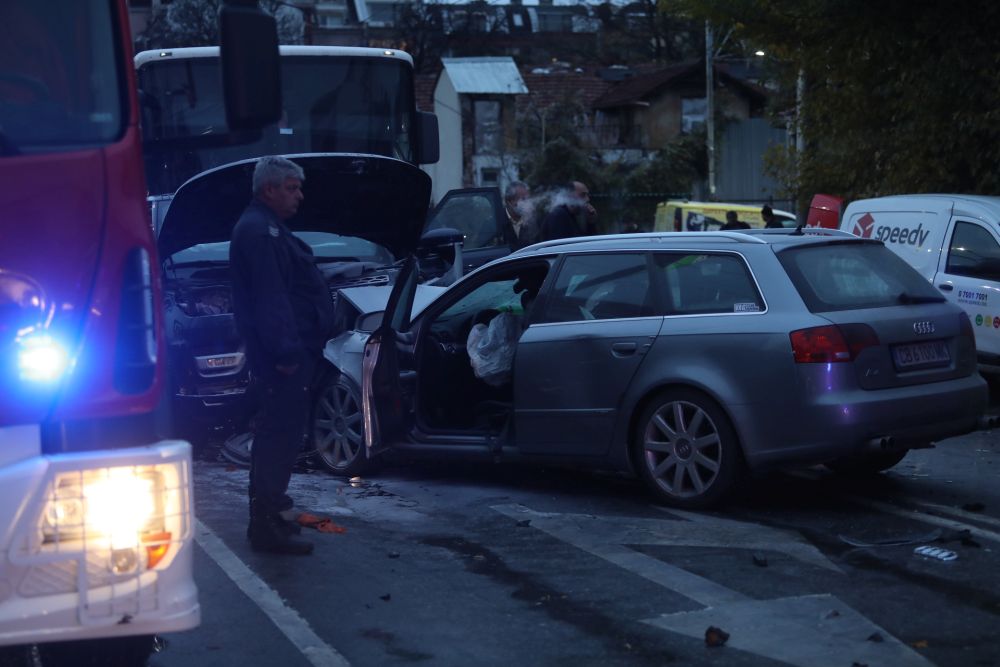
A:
{"x":921,"y":355}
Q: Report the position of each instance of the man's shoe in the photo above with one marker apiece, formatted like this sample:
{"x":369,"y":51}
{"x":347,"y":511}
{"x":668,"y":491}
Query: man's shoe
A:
{"x":270,"y":534}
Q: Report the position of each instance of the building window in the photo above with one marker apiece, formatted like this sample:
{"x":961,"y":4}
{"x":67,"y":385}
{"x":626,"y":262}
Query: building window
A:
{"x":693,"y":110}
{"x":488,"y":135}
{"x":489,"y":176}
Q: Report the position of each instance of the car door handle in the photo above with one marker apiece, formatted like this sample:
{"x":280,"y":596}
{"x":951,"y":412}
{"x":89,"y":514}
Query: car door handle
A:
{"x":945,"y":287}
{"x":623,"y":349}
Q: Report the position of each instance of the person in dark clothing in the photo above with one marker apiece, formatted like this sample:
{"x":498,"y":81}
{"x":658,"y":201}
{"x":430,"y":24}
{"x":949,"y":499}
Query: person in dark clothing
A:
{"x":571,"y":214}
{"x":520,"y":215}
{"x":283,"y":311}
{"x":733,"y":222}
{"x":770,"y":222}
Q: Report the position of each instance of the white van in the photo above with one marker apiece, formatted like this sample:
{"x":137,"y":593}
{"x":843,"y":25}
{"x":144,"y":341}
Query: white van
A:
{"x":954,"y":241}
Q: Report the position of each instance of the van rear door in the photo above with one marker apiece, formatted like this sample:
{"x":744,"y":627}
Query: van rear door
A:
{"x":914,"y":230}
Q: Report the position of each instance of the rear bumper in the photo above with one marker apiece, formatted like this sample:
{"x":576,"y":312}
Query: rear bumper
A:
{"x":841,"y":424}
{"x":66,"y":587}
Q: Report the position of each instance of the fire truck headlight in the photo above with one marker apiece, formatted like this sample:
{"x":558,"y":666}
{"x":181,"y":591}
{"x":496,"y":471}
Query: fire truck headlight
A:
{"x":123,"y":512}
{"x":41,"y":358}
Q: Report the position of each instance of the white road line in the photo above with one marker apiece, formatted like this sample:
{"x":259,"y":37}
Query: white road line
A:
{"x":924,"y":517}
{"x":291,"y":624}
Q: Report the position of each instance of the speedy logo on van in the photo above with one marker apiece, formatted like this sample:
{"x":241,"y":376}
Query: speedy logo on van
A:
{"x":865,"y":228}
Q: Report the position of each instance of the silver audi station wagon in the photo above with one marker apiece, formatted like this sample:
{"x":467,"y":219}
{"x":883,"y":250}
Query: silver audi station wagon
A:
{"x":689,"y":359}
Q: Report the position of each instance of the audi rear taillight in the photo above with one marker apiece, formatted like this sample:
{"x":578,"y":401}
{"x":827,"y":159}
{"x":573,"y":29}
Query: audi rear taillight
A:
{"x":831,"y":343}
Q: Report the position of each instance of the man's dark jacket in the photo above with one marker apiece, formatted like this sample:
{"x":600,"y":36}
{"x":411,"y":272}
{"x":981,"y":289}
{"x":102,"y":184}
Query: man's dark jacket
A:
{"x":281,"y":302}
{"x":560,"y":223}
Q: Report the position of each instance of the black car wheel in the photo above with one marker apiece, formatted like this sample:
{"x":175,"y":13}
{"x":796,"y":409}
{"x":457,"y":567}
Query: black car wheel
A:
{"x":866,"y":464}
{"x":338,"y":428}
{"x":686,"y":450}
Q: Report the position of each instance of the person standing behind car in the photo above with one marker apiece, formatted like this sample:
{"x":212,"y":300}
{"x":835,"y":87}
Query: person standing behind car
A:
{"x":571,"y":215}
{"x":283,"y":311}
{"x":767,"y":215}
{"x":733,"y":222}
{"x":520,"y":215}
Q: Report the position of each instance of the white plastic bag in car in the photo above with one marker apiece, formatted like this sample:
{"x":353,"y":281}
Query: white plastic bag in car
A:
{"x":491,"y":348}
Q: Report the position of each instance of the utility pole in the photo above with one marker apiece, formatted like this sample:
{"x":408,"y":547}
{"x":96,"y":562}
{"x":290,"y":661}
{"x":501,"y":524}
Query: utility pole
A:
{"x":710,"y":107}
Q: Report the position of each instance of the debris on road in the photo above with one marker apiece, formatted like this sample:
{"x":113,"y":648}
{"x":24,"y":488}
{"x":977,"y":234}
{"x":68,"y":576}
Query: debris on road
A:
{"x":393,"y":554}
{"x":876,"y":637}
{"x":385,"y":597}
{"x":321,"y":523}
{"x":524,"y":524}
{"x":759,"y":560}
{"x":715,"y":636}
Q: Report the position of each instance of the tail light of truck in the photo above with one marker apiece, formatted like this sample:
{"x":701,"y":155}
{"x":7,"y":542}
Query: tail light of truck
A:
{"x":831,"y":343}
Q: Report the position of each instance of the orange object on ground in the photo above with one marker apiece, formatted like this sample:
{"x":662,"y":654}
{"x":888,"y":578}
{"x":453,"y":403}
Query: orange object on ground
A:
{"x":321,"y":523}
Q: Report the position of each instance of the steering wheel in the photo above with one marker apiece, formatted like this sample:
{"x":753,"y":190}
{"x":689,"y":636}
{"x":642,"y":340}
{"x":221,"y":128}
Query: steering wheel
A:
{"x":32,"y":84}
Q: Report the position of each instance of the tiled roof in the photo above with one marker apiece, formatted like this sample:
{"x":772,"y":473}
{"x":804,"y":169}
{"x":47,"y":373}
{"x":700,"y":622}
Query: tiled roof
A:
{"x":643,"y":85}
{"x":549,"y":87}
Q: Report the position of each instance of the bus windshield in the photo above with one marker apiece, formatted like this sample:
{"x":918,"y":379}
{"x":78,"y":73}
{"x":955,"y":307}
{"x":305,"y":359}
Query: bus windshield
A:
{"x":60,"y":81}
{"x":331,"y":104}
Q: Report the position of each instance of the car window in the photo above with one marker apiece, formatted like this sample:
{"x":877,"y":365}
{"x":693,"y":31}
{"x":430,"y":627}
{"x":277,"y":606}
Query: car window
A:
{"x":511,"y":291}
{"x":973,"y":252}
{"x":600,"y":287}
{"x":846,"y":276}
{"x":698,"y":284}
{"x":473,"y":215}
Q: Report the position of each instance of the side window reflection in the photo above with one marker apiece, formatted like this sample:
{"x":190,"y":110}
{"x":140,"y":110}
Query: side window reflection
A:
{"x":705,"y":283}
{"x":973,"y":252}
{"x":601,"y":287}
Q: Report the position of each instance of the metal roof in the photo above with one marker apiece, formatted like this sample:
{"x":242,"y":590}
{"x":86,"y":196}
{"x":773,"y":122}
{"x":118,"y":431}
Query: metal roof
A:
{"x":484,"y":75}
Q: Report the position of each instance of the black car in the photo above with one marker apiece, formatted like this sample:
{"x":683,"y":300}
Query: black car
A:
{"x":362,"y":215}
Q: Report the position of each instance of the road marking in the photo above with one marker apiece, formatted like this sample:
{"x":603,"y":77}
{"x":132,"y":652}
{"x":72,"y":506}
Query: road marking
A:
{"x":808,"y":630}
{"x":802,"y":630}
{"x":287,"y":620}
{"x":920,"y":515}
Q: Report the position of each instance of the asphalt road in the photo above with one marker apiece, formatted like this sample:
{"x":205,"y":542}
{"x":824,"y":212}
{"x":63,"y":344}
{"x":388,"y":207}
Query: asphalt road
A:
{"x":519,"y":565}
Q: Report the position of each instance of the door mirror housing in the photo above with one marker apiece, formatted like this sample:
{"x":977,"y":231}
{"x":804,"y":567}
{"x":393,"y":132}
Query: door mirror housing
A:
{"x":251,"y":72}
{"x":428,"y":143}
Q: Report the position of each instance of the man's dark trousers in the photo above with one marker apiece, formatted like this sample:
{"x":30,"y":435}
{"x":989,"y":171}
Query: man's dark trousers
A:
{"x":281,"y":424}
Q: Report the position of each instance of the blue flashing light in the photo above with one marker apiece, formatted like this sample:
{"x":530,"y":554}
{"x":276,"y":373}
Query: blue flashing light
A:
{"x":41,"y":358}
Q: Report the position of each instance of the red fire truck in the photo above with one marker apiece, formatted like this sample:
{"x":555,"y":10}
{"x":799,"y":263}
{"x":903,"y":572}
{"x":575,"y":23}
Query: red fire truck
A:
{"x":96,"y":511}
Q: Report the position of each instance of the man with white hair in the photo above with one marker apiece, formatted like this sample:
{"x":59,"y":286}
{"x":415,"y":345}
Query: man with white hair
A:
{"x":284,"y":312}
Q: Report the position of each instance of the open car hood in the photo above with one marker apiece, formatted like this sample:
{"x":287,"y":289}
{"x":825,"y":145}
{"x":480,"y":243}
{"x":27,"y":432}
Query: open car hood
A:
{"x":375,"y":198}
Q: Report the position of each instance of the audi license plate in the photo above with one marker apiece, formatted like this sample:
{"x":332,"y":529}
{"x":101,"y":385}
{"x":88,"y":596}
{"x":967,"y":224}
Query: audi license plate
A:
{"x":921,"y":355}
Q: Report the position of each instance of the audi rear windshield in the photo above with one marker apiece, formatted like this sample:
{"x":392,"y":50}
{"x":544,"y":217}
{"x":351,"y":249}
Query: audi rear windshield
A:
{"x":848,"y":276}
{"x":60,"y":76}
{"x":330,"y":104}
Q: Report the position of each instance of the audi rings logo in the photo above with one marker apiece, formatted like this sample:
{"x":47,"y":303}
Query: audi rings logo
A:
{"x":923,"y":327}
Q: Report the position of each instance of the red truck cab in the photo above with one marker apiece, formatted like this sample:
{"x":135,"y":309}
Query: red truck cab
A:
{"x":96,"y":511}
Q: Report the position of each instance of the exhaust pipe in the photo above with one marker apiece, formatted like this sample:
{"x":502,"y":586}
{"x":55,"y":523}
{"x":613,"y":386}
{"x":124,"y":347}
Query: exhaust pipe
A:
{"x":882,"y":443}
